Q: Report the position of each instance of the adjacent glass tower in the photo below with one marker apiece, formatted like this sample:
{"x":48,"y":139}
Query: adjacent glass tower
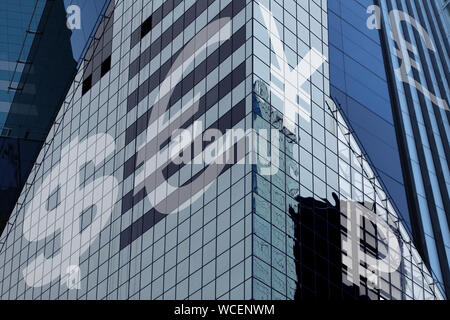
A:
{"x":16,"y":16}
{"x":200,"y":154}
{"x":419,"y":79}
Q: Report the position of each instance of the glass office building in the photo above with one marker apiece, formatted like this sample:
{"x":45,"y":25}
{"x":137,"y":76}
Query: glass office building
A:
{"x":15,"y":18}
{"x":421,"y":117}
{"x":20,"y":20}
{"x":24,"y":23}
{"x":200,"y":154}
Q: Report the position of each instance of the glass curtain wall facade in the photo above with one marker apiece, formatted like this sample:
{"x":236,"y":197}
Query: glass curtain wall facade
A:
{"x":23,"y":24}
{"x":360,"y":87}
{"x":110,"y":213}
{"x":445,"y":15}
{"x":16,"y":18}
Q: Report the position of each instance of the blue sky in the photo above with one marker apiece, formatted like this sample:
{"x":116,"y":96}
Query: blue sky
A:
{"x":90,"y":10}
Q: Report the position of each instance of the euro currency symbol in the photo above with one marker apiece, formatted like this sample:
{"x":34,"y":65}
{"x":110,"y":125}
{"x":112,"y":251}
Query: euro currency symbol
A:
{"x":215,"y":33}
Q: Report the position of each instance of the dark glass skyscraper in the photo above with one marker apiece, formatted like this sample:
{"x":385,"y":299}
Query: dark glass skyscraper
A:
{"x":421,"y":118}
{"x":231,"y":149}
{"x":16,"y":16}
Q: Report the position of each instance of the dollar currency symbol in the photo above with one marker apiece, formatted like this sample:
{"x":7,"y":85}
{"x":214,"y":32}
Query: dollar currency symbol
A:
{"x":64,"y":220}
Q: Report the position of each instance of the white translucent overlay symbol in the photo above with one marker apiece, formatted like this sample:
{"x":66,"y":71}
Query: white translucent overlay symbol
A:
{"x":64,"y":221}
